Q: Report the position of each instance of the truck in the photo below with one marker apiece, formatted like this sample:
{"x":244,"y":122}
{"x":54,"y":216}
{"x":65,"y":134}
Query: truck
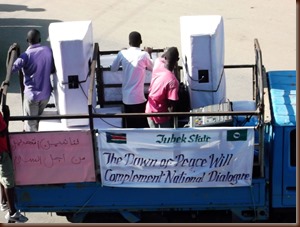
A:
{"x":114,"y":174}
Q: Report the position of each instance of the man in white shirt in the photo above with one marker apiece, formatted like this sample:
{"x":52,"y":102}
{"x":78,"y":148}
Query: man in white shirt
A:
{"x":134,"y":62}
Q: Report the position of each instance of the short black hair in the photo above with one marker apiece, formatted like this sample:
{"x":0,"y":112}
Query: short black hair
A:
{"x":34,"y":36}
{"x":172,"y":54}
{"x":135,"y":39}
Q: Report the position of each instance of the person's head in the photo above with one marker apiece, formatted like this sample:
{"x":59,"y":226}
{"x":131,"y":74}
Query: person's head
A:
{"x":33,"y":36}
{"x":135,"y":39}
{"x":172,"y":57}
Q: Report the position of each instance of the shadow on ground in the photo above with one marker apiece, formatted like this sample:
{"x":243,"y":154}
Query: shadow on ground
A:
{"x":14,"y":30}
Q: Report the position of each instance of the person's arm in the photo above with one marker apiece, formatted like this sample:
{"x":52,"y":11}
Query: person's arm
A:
{"x":149,"y":62}
{"x":149,"y":50}
{"x":173,"y":88}
{"x":20,"y":62}
{"x":116,"y":63}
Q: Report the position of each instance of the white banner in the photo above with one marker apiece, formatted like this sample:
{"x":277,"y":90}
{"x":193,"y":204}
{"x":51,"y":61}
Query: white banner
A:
{"x":179,"y":158}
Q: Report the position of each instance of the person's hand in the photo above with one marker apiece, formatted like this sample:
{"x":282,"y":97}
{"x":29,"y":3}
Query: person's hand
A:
{"x":148,"y":49}
{"x":14,"y":46}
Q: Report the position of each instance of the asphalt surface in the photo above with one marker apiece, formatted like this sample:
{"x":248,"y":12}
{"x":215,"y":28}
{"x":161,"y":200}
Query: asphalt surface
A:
{"x":272,"y":22}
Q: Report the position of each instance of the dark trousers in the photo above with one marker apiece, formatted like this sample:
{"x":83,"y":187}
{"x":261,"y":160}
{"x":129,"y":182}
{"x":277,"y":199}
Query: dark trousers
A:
{"x":135,"y":122}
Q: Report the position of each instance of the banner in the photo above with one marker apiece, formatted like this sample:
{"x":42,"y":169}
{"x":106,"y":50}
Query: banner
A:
{"x":52,"y":157}
{"x":179,"y":158}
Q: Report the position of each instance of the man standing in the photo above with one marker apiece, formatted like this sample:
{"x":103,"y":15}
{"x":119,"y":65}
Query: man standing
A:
{"x":163,"y":90}
{"x":37,"y":65}
{"x":134,"y":62}
{"x":7,"y":182}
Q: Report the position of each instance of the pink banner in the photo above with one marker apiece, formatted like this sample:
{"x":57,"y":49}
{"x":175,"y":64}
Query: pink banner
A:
{"x":52,"y":157}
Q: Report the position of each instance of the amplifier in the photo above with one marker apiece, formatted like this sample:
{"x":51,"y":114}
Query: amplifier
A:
{"x":204,"y":121}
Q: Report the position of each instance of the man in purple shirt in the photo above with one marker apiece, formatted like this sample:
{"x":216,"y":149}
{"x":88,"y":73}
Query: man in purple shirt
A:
{"x":37,"y":64}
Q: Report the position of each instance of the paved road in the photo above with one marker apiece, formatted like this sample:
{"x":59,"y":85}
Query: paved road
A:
{"x":273,"y":22}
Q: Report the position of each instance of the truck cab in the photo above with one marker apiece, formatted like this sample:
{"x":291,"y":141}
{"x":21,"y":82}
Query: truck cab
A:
{"x":281,"y":142}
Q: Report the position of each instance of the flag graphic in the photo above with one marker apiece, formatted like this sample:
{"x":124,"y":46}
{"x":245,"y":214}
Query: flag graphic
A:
{"x":237,"y":135}
{"x":116,"y":137}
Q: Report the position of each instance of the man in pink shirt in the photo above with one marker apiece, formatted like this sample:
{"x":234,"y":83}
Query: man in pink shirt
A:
{"x":163,"y":90}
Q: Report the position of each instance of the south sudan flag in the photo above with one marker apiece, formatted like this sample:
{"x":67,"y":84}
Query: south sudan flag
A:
{"x":116,"y":137}
{"x":237,"y":135}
